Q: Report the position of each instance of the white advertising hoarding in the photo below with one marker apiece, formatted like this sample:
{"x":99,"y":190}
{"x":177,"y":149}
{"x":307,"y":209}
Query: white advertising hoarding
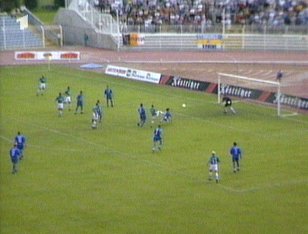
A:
{"x":133,"y":74}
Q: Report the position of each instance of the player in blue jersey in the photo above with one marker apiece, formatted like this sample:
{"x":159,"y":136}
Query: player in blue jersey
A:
{"x":142,"y":115}
{"x":167,"y":116}
{"x":228,"y":104}
{"x":42,"y":85}
{"x":157,"y":139}
{"x":236,"y":154}
{"x":60,"y":104}
{"x":80,"y":102}
{"x":15,"y":156}
{"x":214,"y":166}
{"x":20,"y":141}
{"x":109,"y":96}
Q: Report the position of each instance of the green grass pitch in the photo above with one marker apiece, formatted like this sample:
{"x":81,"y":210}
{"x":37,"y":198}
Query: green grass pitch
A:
{"x":77,"y":180}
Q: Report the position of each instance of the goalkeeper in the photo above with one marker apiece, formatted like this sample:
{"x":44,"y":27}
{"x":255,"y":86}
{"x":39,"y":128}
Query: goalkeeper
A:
{"x":228,"y":104}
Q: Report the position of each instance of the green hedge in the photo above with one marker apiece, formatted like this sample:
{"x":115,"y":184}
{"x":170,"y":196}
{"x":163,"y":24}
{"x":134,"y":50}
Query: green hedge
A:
{"x":9,"y":5}
{"x":31,"y":4}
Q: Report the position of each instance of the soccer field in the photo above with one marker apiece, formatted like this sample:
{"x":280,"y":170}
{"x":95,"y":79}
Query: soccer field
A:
{"x":74,"y":179}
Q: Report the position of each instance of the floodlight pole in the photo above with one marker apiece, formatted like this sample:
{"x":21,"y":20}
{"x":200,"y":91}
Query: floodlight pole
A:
{"x":49,"y":60}
{"x":61,"y":35}
{"x":218,"y":90}
{"x":4,"y":34}
{"x":92,"y":17}
{"x":278,"y":99}
{"x":118,"y":30}
{"x":43,"y":36}
{"x":223,"y":20}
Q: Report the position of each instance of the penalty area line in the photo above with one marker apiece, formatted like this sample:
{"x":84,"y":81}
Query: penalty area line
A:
{"x":264,"y":187}
{"x":289,"y":115}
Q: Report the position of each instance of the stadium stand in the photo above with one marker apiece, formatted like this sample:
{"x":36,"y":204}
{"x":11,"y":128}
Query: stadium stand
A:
{"x":208,"y":12}
{"x":247,"y":24}
{"x":13,"y":36}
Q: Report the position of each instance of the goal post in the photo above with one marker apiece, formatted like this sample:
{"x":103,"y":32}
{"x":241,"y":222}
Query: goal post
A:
{"x":247,"y":83}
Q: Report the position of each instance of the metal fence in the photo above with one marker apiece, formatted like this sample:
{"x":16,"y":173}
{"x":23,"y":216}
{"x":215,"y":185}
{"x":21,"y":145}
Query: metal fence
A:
{"x":250,"y":29}
{"x":51,"y":34}
{"x":15,"y":35}
{"x":106,"y":32}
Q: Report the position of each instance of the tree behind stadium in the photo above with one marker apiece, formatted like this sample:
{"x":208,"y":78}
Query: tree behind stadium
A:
{"x":9,"y":5}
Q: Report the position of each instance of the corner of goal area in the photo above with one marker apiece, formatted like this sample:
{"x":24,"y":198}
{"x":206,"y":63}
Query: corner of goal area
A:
{"x":284,"y":111}
{"x":290,"y":113}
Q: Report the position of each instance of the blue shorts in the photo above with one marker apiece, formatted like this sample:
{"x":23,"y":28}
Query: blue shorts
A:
{"x":14,"y":160}
{"x":156,"y":138}
{"x":235,"y":158}
{"x":20,"y":146}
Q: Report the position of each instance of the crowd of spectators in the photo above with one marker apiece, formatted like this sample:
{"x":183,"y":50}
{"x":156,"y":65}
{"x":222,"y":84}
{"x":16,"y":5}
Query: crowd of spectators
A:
{"x":207,"y":12}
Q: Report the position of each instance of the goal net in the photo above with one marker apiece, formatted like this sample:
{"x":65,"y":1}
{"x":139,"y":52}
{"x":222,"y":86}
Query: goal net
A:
{"x":243,"y":87}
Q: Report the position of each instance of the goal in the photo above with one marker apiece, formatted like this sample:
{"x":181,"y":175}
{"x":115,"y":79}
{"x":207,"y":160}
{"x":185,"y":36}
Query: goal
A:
{"x":249,"y":88}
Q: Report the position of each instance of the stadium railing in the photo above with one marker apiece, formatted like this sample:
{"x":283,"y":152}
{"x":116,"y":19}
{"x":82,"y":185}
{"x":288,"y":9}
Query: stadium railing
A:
{"x":13,"y":36}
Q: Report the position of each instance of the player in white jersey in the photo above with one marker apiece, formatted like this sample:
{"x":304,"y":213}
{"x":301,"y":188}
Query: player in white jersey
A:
{"x":214,"y":166}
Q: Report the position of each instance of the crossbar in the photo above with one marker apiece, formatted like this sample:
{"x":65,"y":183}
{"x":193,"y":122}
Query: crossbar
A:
{"x":276,"y":83}
{"x":249,"y":78}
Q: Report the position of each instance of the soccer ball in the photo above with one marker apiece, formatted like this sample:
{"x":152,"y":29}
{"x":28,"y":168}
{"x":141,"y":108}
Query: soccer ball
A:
{"x":152,"y":121}
{"x":184,"y":105}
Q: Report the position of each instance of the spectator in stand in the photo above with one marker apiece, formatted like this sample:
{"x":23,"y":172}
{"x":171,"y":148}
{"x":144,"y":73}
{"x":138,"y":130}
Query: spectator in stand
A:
{"x":260,"y":12}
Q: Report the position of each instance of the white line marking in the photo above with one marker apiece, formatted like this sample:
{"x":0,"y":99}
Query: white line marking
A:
{"x":257,"y":73}
{"x":265,"y":186}
{"x":165,"y":168}
{"x":270,"y":72}
{"x":171,"y":171}
{"x":289,"y":115}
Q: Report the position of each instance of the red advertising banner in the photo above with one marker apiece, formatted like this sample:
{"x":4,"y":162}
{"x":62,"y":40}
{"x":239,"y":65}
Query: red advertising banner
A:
{"x":47,"y":55}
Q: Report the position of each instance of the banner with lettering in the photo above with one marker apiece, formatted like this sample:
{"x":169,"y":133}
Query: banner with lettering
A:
{"x":47,"y":55}
{"x":289,"y":100}
{"x":264,"y":96}
{"x":235,"y":91}
{"x":133,"y":74}
{"x":136,"y":39}
{"x":241,"y":92}
{"x":177,"y":81}
{"x":210,"y":41}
